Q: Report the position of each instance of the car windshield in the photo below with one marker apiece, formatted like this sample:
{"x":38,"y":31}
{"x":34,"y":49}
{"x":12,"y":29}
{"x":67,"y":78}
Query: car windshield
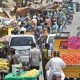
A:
{"x":21,"y":41}
{"x":50,"y":40}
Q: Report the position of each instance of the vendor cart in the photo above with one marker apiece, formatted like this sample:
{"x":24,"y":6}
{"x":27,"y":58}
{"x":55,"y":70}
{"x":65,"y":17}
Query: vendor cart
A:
{"x":10,"y":76}
{"x":61,"y":44}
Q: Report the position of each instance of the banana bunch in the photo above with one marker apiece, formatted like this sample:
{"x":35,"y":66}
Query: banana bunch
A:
{"x":31,"y":73}
{"x":4,"y":64}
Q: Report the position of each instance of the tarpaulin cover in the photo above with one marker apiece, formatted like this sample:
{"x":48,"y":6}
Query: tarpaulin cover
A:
{"x":10,"y":76}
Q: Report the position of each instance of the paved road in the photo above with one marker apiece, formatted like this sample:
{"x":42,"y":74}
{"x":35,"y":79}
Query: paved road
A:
{"x":75,"y":23}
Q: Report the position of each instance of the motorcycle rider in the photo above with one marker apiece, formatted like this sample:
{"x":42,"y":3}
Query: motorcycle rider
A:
{"x":55,"y":66}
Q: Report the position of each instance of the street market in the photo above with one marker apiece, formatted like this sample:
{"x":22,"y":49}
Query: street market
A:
{"x":37,"y":40}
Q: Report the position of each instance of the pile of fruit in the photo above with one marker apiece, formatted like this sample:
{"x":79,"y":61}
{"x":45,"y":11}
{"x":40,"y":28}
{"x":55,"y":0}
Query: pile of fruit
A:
{"x":31,"y":73}
{"x":71,"y":58}
{"x":4,"y":65}
{"x":74,"y":42}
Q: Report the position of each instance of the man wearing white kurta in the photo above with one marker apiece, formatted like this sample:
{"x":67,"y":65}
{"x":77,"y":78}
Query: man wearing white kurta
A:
{"x":55,"y":66}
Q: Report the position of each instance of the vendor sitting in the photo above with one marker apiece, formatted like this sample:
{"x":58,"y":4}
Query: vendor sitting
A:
{"x":14,"y":59}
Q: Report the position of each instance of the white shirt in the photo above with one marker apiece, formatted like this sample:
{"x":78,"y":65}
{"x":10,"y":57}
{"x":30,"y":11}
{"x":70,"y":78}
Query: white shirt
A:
{"x":34,"y":22}
{"x":35,"y":56}
{"x":23,"y":29}
{"x":55,"y":64}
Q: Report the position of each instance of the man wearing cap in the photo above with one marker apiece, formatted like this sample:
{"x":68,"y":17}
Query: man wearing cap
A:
{"x":55,"y":66}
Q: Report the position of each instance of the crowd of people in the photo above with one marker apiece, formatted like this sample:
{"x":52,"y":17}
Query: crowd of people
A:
{"x":42,"y":24}
{"x":52,"y":20}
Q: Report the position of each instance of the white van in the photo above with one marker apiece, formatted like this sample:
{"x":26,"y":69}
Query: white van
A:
{"x":22,"y":45}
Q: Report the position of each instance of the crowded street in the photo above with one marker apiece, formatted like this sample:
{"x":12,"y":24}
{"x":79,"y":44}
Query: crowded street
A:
{"x":39,"y":40}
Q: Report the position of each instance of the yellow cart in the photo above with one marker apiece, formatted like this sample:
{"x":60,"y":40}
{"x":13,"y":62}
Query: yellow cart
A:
{"x":71,"y":71}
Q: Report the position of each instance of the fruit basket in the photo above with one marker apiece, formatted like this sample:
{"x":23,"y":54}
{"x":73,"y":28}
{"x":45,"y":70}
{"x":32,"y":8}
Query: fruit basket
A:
{"x":4,"y":65}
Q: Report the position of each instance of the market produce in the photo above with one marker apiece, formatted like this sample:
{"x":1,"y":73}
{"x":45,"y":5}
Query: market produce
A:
{"x":31,"y":73}
{"x":71,"y":58}
{"x":4,"y":64}
{"x":74,"y":42}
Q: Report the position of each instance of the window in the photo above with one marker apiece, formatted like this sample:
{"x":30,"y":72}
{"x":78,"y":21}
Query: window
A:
{"x":21,"y":41}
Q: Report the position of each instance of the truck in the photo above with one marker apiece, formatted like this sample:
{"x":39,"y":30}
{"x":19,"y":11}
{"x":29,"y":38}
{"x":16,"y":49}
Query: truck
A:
{"x":72,"y":69}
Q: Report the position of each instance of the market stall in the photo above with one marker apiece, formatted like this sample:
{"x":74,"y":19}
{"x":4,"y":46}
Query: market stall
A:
{"x":69,"y":48}
{"x":26,"y":75}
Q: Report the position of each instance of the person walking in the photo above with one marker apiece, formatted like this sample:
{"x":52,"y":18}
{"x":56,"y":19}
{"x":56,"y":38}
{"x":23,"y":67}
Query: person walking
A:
{"x":35,"y":57}
{"x":78,"y":32}
{"x":55,"y":66}
{"x":48,"y":23}
{"x":34,"y":22}
{"x":54,"y":25}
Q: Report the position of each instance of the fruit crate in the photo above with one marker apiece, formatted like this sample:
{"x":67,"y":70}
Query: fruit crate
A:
{"x":72,"y":71}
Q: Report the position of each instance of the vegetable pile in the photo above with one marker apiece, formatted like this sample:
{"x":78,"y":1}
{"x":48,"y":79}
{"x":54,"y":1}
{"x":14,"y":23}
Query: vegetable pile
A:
{"x":31,"y":73}
{"x":71,"y":58}
{"x":4,"y":65}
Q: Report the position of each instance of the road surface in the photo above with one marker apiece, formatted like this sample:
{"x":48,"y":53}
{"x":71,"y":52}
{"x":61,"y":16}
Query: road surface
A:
{"x":75,"y":23}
